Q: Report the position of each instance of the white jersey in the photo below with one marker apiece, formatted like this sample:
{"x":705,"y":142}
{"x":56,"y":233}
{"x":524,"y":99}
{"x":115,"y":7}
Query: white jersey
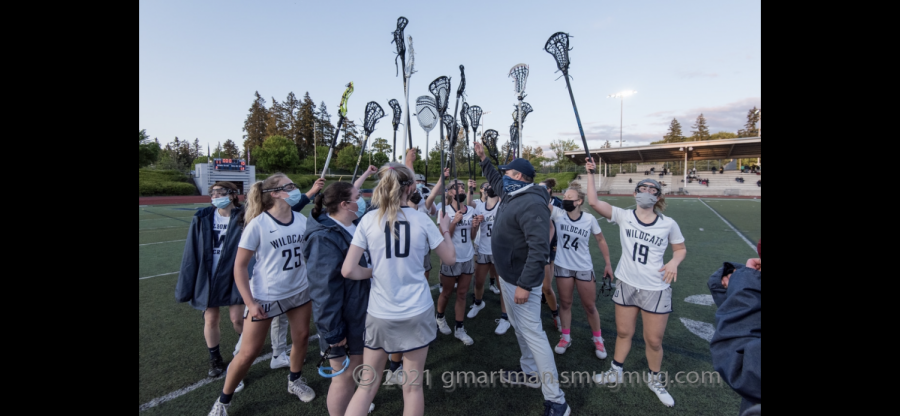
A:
{"x":483,"y":235}
{"x":280,"y":271}
{"x":220,"y":229}
{"x":399,"y":289}
{"x":462,"y":235}
{"x":643,"y":246}
{"x":573,"y":239}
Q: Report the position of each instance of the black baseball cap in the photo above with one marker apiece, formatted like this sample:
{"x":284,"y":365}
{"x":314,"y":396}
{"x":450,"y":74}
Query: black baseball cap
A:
{"x":521,"y":165}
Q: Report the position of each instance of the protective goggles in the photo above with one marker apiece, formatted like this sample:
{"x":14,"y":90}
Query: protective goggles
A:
{"x":648,"y":188}
{"x":222,"y":191}
{"x":605,"y":287}
{"x":331,"y":373}
{"x":286,"y":187}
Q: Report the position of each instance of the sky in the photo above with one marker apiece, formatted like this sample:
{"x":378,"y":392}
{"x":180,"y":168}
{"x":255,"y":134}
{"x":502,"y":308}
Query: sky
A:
{"x":200,"y":63}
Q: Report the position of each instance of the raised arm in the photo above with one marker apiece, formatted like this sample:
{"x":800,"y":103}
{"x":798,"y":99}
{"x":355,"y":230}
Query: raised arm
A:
{"x":411,"y":158}
{"x":601,"y":207}
{"x":362,"y":178}
{"x":494,"y":177}
{"x":469,"y":200}
{"x":429,"y":202}
{"x":351,"y":268}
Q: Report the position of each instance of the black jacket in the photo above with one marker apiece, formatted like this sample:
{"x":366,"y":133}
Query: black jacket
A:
{"x":520,"y":244}
{"x":196,"y":284}
{"x":339,"y":304}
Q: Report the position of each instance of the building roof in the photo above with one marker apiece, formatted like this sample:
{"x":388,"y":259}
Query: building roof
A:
{"x":744,"y":147}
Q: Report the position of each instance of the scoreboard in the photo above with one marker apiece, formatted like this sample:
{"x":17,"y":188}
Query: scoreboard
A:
{"x":229,"y":164}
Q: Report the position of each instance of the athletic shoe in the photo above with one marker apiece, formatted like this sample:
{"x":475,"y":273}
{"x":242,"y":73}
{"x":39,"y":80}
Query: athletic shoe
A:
{"x":557,"y":323}
{"x":371,"y":407}
{"x":280,"y":361}
{"x":660,"y":391}
{"x":216,"y":367}
{"x":502,"y":326}
{"x":562,"y":346}
{"x":219,"y":409}
{"x":474,"y":310}
{"x":463,"y":336}
{"x":299,"y":388}
{"x":495,"y":290}
{"x":600,"y":349}
{"x":611,"y":376}
{"x":239,"y":387}
{"x":396,"y":377}
{"x":237,"y":347}
{"x":520,"y":378}
{"x":556,"y":409}
{"x":442,"y":325}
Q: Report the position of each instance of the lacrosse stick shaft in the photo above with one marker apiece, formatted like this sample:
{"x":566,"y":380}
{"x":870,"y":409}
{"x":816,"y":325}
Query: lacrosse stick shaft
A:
{"x":519,"y":127}
{"x":426,"y":157}
{"x":359,"y":160}
{"x":408,"y":125}
{"x":577,"y":117}
{"x":394,"y":149}
{"x":441,"y":172}
{"x":331,"y":148}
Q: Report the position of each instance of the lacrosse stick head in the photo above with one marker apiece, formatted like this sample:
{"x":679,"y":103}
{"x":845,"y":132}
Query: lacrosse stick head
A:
{"x":426,"y":113}
{"x":462,"y":83}
{"x":440,"y":88}
{"x":526,"y":109}
{"x":373,"y":114}
{"x":558,"y":46}
{"x":462,"y":116}
{"x":489,"y":139}
{"x":519,"y":74}
{"x":447,"y":119}
{"x":342,"y":109}
{"x":474,"y":114}
{"x":398,"y":39}
{"x":412,"y":59}
{"x":397,"y":112}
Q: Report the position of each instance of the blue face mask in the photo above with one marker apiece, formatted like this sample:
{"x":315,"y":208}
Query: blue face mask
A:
{"x":511,"y":185}
{"x":362,"y":207}
{"x":293,"y":197}
{"x":221,"y":202}
{"x":419,"y":186}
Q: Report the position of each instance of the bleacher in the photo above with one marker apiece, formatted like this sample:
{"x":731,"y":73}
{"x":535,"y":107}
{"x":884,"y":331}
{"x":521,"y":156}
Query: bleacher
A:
{"x":719,"y":184}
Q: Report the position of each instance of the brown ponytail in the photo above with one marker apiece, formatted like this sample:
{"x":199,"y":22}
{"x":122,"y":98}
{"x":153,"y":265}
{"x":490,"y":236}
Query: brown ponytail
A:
{"x":259,"y":201}
{"x":330,"y":199}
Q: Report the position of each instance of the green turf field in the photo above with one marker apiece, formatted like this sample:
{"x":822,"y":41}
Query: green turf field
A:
{"x":173,"y":360}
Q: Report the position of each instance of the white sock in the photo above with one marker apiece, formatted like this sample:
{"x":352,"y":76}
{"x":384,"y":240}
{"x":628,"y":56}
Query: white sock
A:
{"x":567,"y":337}
{"x":598,"y":339}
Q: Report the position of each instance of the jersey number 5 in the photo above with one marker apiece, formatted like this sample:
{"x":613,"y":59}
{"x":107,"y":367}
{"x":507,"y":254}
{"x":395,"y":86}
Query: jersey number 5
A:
{"x":287,"y":261}
{"x":387,"y":240}
{"x":639,"y":253}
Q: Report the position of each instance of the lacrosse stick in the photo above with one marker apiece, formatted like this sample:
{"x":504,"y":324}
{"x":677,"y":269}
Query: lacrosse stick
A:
{"x":447,"y":122}
{"x":426,"y":112}
{"x":558,"y":46}
{"x":407,"y":71}
{"x":519,"y":74}
{"x":474,"y":115}
{"x":513,"y":141}
{"x":465,"y":126}
{"x":407,"y":74}
{"x":440,"y":88}
{"x":460,"y":90}
{"x":373,"y":114}
{"x":342,"y":112}
{"x":489,"y":139}
{"x":395,"y":122}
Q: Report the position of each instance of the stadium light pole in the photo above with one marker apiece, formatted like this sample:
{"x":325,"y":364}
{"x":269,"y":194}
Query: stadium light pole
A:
{"x":684,"y":171}
{"x":621,"y":96}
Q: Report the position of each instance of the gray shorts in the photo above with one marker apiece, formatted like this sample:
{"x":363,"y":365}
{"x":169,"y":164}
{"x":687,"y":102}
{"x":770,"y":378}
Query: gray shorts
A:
{"x":275,"y":308}
{"x":428,"y":261}
{"x":458,"y":269}
{"x":584,"y":276}
{"x":401,"y":335}
{"x":653,"y":301}
{"x":484,"y":259}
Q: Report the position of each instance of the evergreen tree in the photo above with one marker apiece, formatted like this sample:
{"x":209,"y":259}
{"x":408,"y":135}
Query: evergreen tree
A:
{"x":195,"y":149}
{"x":381,"y":145}
{"x":148,"y":151}
{"x":606,"y":145}
{"x":275,"y":125}
{"x":230,"y":149}
{"x":351,"y":134}
{"x":289,"y":116}
{"x":255,"y":124}
{"x":700,"y":131}
{"x":674,"y":135}
{"x":325,"y":128}
{"x":750,"y":128}
{"x":305,"y":127}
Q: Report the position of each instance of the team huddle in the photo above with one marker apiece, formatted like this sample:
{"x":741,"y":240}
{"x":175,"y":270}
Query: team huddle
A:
{"x":361,"y":275}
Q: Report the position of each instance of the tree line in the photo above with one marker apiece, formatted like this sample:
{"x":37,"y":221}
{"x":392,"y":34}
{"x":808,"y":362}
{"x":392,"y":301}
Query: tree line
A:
{"x":700,"y":131}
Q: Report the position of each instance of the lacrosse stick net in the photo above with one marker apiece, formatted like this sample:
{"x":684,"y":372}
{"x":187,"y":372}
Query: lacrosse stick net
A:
{"x":373,"y":114}
{"x":489,"y":139}
{"x":342,"y":114}
{"x":558,"y":46}
{"x":398,"y":39}
{"x":519,"y":74}
{"x":426,"y":113}
{"x":410,"y":66}
{"x":526,"y":109}
{"x":474,"y":114}
{"x":395,"y":105}
{"x":440,"y":88}
{"x":462,"y":117}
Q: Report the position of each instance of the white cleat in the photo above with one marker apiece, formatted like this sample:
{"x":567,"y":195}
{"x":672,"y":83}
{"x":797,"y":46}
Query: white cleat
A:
{"x":371,"y":407}
{"x":611,"y":376}
{"x":599,"y":349}
{"x":502,"y":326}
{"x":463,"y":336}
{"x":239,"y":387}
{"x":562,"y":346}
{"x":219,"y":409}
{"x":280,"y":361}
{"x":474,"y":310}
{"x":495,"y":290}
{"x":442,"y":325}
{"x":660,"y":391}
{"x":299,"y":388}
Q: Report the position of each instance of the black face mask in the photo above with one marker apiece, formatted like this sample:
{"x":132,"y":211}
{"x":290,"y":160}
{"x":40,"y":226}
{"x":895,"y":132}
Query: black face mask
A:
{"x":415,"y":198}
{"x":461,"y":198}
{"x":569,"y":206}
{"x":490,"y":193}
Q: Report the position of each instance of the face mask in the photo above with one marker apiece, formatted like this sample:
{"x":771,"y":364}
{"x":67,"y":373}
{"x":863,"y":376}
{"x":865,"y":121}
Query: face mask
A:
{"x":461,"y":198}
{"x":361,"y":207}
{"x":293,"y":197}
{"x":511,"y":185}
{"x":569,"y":206}
{"x":221,"y":202}
{"x":419,"y":186}
{"x":416,"y":198}
{"x":645,"y":200}
{"x":490,"y":193}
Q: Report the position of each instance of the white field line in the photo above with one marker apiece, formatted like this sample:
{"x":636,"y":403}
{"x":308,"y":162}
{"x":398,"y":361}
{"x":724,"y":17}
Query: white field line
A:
{"x":181,"y":392}
{"x":164,"y":228}
{"x":161,"y":242}
{"x":141,"y":206}
{"x":157,"y":275}
{"x":752,"y":246}
{"x":157,"y":219}
{"x":737,"y":199}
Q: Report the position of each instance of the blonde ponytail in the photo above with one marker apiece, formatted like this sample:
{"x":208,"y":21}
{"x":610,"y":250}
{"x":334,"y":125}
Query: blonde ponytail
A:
{"x":259,"y":201}
{"x":393,"y":177}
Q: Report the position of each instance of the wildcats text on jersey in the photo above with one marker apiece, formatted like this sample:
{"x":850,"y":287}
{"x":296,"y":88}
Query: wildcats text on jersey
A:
{"x":641,"y":235}
{"x":574,"y":230}
{"x":283,"y":241}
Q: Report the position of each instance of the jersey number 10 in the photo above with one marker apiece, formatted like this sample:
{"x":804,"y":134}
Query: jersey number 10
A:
{"x":387,"y":240}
